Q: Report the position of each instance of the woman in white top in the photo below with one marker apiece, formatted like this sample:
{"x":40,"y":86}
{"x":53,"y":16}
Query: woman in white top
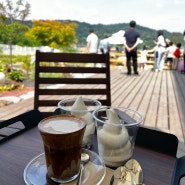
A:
{"x":160,"y":52}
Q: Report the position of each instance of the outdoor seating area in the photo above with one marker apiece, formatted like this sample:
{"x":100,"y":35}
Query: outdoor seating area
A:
{"x":160,"y":97}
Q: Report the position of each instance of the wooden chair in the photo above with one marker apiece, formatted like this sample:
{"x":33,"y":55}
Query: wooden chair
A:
{"x":164,"y":143}
{"x":16,"y":125}
{"x":179,"y":171}
{"x":65,"y":75}
{"x":157,"y":140}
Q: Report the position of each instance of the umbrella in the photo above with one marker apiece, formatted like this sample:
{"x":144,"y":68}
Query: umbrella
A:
{"x":116,"y":38}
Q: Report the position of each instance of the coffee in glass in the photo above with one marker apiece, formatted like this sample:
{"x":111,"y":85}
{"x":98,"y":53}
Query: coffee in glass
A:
{"x":62,"y":137}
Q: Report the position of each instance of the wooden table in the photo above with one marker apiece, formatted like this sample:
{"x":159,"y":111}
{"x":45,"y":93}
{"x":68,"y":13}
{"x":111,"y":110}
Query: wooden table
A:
{"x":17,"y":152}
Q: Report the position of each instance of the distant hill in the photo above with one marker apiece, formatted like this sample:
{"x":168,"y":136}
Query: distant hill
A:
{"x":147,"y":34}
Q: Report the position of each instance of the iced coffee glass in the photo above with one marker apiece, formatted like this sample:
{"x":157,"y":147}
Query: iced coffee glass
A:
{"x":62,"y":138}
{"x":82,"y":107}
{"x":116,"y":132}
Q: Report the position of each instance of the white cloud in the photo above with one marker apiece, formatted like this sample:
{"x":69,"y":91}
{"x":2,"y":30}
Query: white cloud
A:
{"x":179,"y":1}
{"x":160,"y":5}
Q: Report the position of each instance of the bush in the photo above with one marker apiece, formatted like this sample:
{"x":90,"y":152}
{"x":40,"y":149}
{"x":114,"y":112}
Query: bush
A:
{"x":16,"y":75}
{"x":2,"y":68}
{"x":21,"y":63}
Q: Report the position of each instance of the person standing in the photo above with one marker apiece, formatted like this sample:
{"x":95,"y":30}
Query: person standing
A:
{"x":92,"y":42}
{"x":131,"y":40}
{"x":160,"y":51}
{"x":177,"y":54}
{"x":104,"y":45}
{"x":143,"y":58}
{"x":169,"y":54}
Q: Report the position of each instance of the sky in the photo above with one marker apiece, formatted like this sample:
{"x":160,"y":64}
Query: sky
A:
{"x":155,"y":14}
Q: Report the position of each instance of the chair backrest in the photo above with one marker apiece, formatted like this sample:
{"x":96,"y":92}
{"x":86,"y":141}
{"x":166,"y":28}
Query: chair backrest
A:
{"x":19,"y":124}
{"x":68,"y":75}
{"x":157,"y":140}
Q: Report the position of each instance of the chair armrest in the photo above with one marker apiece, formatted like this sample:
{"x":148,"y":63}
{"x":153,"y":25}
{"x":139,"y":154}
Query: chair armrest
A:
{"x":18,"y":124}
{"x":157,"y":140}
{"x":57,"y":111}
{"x":179,"y":171}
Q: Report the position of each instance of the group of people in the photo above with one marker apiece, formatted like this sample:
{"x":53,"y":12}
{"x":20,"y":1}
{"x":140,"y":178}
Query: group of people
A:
{"x":164,"y":51}
{"x":92,"y":43}
{"x":131,"y":40}
{"x":173,"y":55}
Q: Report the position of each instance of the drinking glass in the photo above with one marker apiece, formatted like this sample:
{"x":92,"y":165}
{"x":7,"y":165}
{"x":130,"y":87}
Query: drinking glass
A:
{"x":116,"y":139}
{"x":62,"y":139}
{"x":66,"y":107}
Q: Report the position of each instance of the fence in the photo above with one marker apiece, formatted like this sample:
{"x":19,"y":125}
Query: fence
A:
{"x":18,"y":50}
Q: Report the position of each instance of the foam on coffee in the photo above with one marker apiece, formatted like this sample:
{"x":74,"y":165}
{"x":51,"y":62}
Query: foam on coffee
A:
{"x":62,"y":125}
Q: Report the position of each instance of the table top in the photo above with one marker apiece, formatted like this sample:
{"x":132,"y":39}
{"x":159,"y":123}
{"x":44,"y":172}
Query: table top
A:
{"x":16,"y":153}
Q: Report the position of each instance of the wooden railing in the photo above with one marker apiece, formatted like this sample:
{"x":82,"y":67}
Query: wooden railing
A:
{"x":119,"y":58}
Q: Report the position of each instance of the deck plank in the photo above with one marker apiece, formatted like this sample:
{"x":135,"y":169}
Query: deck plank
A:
{"x":152,"y":112}
{"x":162,"y":116}
{"x":179,"y":90}
{"x":144,"y":106}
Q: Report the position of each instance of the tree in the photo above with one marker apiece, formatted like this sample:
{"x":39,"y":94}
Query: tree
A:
{"x":176,"y":38}
{"x":12,"y":16}
{"x":53,"y":33}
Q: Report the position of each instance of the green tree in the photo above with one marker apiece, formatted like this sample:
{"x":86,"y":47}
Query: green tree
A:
{"x":53,"y":33}
{"x":176,"y":38}
{"x":12,"y":16}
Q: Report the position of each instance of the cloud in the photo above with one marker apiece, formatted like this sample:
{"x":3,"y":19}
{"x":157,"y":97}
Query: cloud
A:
{"x":179,"y":1}
{"x":162,"y":3}
{"x":159,"y":5}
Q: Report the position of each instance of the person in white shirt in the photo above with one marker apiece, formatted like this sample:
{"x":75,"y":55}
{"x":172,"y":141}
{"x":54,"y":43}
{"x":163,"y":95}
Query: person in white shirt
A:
{"x":92,"y":42}
{"x":160,"y":52}
{"x":169,"y":54}
{"x":143,"y":58}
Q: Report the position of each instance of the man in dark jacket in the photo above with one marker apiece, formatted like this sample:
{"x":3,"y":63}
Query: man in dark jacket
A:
{"x":131,"y":40}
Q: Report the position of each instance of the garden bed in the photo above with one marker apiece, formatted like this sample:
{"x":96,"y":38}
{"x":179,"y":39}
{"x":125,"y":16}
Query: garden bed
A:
{"x":16,"y":92}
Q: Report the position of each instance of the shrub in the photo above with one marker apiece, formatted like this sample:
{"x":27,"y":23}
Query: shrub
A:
{"x":2,"y":68}
{"x":16,"y":75}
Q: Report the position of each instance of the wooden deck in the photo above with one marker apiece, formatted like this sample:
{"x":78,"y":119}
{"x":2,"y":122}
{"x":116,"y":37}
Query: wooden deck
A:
{"x":160,"y":97}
